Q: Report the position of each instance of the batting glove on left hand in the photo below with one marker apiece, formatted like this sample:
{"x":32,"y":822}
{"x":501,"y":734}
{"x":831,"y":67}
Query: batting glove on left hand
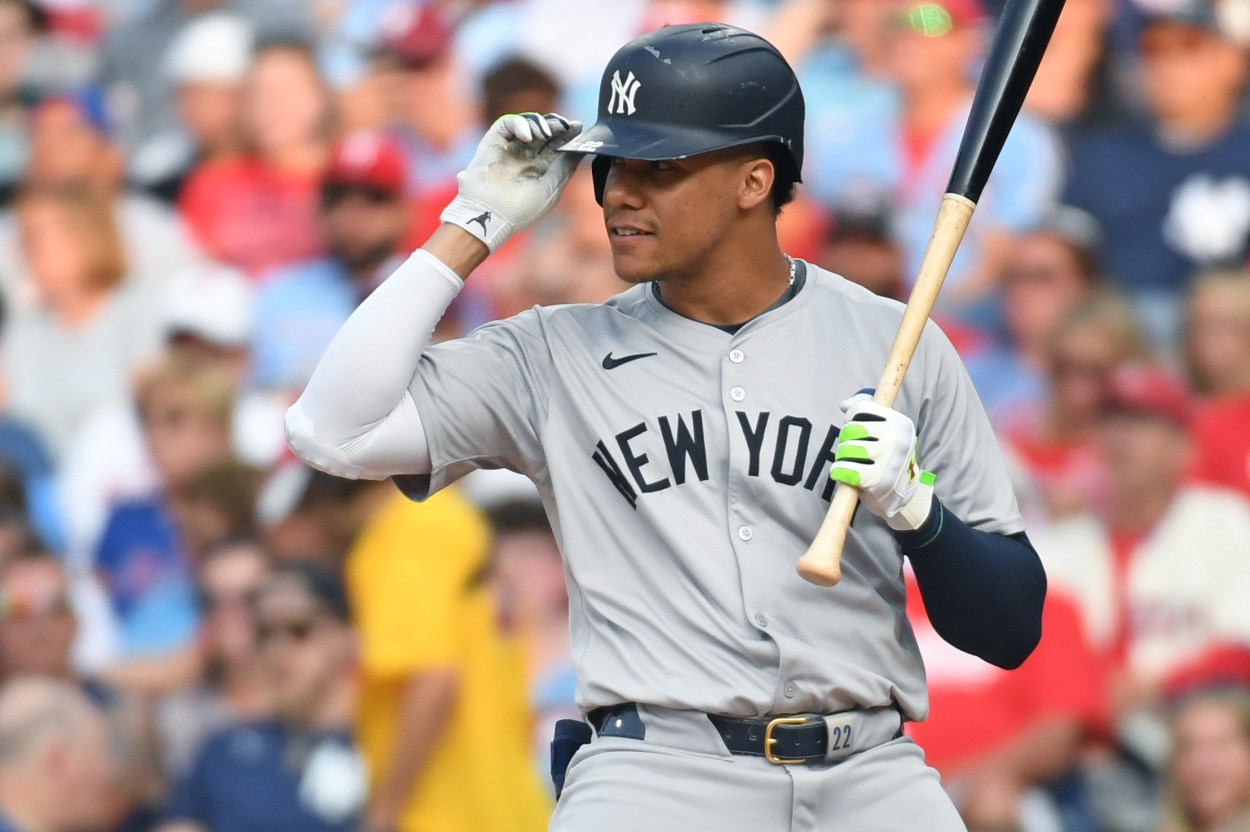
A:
{"x":514,"y":178}
{"x":877,"y":454}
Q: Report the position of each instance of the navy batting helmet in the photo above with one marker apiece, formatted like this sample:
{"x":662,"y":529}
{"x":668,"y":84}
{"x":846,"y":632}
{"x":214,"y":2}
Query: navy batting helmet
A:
{"x":684,"y":90}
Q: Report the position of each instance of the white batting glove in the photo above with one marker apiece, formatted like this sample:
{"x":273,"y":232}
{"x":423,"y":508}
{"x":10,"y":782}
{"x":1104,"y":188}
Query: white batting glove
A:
{"x":877,"y":454}
{"x":514,"y":178}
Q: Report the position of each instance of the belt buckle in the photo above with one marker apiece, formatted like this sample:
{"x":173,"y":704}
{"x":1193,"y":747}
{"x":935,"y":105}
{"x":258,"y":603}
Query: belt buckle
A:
{"x":770,"y":740}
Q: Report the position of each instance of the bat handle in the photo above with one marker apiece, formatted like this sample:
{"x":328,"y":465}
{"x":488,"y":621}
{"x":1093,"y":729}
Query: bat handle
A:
{"x":821,"y":564}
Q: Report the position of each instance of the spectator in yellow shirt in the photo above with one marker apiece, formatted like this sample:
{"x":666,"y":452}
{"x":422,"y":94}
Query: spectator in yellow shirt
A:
{"x":443,"y":721}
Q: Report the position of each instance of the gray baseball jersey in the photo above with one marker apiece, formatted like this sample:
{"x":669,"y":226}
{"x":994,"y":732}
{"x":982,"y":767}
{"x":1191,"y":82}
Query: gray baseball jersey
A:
{"x":685,"y":469}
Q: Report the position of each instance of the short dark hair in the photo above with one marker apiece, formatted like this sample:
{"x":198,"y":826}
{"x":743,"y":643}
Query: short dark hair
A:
{"x":782,"y":193}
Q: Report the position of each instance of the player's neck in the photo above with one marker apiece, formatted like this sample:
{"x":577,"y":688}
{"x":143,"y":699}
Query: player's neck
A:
{"x":733,"y":289}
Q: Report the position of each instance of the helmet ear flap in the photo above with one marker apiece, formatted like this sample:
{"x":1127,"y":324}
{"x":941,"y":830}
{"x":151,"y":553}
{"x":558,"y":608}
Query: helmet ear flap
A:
{"x":599,"y":172}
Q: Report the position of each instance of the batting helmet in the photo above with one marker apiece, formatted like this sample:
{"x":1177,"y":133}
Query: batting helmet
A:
{"x":684,"y":90}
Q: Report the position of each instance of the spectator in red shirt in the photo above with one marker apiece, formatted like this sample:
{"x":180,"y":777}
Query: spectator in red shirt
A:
{"x":1217,"y":353}
{"x":260,"y":212}
{"x":1056,"y":443}
{"x":1031,"y":723}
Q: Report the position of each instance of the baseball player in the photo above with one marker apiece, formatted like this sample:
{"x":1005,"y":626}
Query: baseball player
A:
{"x":685,"y":437}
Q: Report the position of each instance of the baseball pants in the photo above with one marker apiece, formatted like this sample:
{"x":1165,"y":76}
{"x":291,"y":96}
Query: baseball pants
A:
{"x":685,"y":781}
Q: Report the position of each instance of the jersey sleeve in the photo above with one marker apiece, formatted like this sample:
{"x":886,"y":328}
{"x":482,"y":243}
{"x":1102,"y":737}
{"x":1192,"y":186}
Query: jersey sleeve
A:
{"x":483,"y":402}
{"x":956,"y":442}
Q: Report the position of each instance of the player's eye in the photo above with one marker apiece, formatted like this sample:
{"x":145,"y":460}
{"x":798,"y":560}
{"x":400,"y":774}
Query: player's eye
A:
{"x":663,"y":165}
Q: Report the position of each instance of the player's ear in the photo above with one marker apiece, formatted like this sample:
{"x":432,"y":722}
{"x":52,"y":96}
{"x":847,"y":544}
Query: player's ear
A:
{"x":756,"y":182}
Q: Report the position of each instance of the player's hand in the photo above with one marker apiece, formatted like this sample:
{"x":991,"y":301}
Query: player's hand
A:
{"x":515,"y":176}
{"x":877,"y":454}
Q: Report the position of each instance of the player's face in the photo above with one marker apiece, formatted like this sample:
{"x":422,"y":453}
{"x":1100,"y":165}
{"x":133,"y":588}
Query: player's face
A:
{"x":664,"y":219}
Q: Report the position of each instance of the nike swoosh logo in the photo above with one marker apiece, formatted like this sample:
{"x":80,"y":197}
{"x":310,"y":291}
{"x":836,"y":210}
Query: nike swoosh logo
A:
{"x":610,"y":363}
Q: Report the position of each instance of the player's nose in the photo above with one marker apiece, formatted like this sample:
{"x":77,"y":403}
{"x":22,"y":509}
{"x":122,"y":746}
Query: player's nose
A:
{"x":622,"y":188}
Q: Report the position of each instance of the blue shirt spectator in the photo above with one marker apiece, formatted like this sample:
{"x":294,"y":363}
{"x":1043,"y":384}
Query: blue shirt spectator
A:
{"x":1167,"y":214}
{"x":297,"y":312}
{"x":268,"y":777}
{"x":148,"y":580}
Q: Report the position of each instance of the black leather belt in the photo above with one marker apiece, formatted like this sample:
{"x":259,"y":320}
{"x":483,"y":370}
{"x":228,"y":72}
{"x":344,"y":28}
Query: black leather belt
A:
{"x":783,"y":740}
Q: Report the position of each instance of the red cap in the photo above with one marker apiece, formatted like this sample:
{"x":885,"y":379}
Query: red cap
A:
{"x":370,"y":158}
{"x":416,"y":33}
{"x":1142,"y":388}
{"x":940,"y":16}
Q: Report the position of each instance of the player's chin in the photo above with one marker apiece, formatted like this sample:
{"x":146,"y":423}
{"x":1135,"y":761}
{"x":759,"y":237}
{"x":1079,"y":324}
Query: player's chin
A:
{"x":632,"y":268}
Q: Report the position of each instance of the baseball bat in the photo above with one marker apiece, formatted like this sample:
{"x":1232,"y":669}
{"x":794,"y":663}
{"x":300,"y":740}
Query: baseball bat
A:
{"x":1023,"y":33}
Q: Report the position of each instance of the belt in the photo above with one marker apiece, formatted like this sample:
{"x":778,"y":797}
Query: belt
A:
{"x":784,"y":740}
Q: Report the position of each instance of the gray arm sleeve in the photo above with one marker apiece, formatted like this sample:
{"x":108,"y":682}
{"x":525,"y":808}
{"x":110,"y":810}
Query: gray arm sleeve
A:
{"x":357,"y":418}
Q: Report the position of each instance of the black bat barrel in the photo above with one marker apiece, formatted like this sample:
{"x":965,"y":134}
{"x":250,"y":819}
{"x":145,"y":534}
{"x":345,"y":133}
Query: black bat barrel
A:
{"x":1023,"y":33}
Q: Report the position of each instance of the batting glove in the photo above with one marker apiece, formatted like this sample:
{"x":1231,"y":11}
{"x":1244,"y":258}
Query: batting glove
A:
{"x":877,"y":454}
{"x":514,"y":178}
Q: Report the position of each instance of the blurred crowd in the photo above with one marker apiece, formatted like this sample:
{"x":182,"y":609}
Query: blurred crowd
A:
{"x":198,"y":634}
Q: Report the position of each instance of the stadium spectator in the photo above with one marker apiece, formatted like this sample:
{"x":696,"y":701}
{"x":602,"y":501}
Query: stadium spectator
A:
{"x":1032,"y":723}
{"x":1218,"y":357}
{"x":70,"y":148}
{"x":862,"y":246}
{"x":207,"y":321}
{"x":54,"y":759}
{"x":37,"y":630}
{"x":136,"y":47}
{"x":1070,"y":89}
{"x":363,"y":216}
{"x":1159,"y":572}
{"x":1210,"y":763}
{"x":438,"y":684}
{"x":1050,"y":269}
{"x":21,"y":24}
{"x":435,"y":121}
{"x":1173,"y":195}
{"x":1057,"y":441}
{"x":91,"y":328}
{"x":233,"y":687}
{"x":528,"y":574}
{"x":143,"y":559}
{"x":908,"y":151}
{"x":206,"y":64}
{"x":298,"y":771}
{"x":517,"y":85}
{"x":258,"y":213}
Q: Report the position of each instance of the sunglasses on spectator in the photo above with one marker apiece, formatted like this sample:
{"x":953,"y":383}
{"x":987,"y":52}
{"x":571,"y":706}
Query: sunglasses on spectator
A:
{"x":210,"y":602}
{"x":24,"y":606}
{"x":1069,"y":367}
{"x":296,"y":630}
{"x":1173,"y":40}
{"x":334,"y":192}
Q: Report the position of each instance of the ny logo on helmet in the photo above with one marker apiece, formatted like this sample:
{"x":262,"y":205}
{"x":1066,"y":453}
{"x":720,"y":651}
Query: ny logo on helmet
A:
{"x":623,"y":92}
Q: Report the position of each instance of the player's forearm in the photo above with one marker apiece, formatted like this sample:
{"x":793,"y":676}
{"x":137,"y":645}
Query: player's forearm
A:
{"x":983,"y":591}
{"x":424,"y":711}
{"x":355,"y":417}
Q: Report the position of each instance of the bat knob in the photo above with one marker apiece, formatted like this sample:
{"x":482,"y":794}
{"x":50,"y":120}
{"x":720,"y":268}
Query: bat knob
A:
{"x":818,"y":572}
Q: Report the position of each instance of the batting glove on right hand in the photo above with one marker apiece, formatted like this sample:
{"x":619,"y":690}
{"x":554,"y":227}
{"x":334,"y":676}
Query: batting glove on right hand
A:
{"x":515,"y":176}
{"x":877,"y":454}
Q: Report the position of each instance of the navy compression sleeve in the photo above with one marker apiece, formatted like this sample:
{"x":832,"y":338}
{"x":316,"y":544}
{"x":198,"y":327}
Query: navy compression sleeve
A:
{"x":983,"y":591}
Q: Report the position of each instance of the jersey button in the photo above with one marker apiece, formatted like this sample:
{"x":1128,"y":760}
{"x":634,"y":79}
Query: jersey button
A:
{"x":789,"y":690}
{"x":761,"y":619}
{"x":737,"y":394}
{"x":736,"y":356}
{"x":745,"y":533}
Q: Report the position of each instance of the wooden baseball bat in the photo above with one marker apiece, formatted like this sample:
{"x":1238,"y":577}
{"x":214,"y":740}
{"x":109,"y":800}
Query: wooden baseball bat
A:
{"x":1023,"y":33}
